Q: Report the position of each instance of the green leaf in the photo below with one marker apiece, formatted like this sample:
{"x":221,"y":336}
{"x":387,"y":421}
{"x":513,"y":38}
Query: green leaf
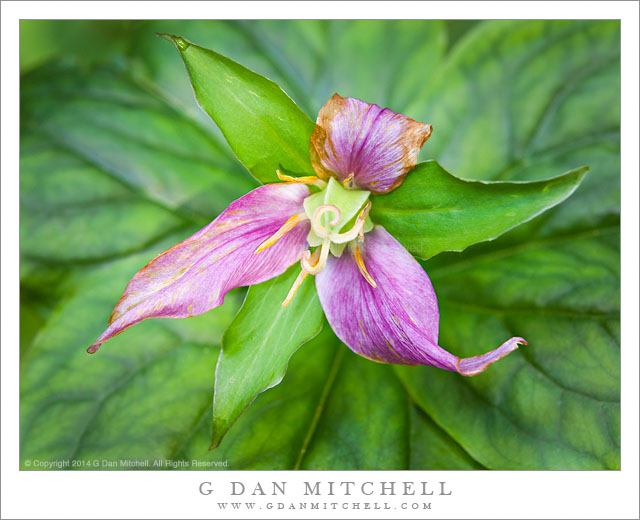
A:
{"x":110,"y":176}
{"x":258,"y":344}
{"x":86,"y":40}
{"x":107,"y":169}
{"x":380,"y":61}
{"x":431,"y":448}
{"x":276,"y":429}
{"x":361,"y":427}
{"x":310,"y":59}
{"x":554,"y":281}
{"x":433,"y":211}
{"x":128,"y":401}
{"x":524,"y":100}
{"x":307,"y":421}
{"x":263,"y":126}
{"x":555,"y":403}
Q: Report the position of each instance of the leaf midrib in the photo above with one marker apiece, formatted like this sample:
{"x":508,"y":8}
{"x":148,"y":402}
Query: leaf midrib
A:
{"x":324,"y":396}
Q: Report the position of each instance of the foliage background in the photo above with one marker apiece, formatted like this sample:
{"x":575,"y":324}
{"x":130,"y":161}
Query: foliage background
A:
{"x":118,"y":163}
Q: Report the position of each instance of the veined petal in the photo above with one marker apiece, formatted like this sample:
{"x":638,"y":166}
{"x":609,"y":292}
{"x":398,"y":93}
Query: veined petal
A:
{"x":193,"y":276}
{"x":374,"y":145}
{"x":397,"y":321}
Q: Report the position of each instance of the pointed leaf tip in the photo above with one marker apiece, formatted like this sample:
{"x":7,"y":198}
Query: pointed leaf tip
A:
{"x":178,"y":41}
{"x":434,"y":211}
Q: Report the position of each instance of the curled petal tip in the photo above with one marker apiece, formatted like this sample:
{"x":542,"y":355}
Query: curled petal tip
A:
{"x":477,"y":364}
{"x":94,"y":348}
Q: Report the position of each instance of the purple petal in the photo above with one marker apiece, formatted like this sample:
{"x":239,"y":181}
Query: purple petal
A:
{"x":376,"y":145}
{"x":193,"y":276}
{"x":397,"y":321}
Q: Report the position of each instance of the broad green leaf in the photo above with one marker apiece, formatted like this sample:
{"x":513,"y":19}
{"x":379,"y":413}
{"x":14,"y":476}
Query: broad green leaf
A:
{"x":110,"y":176}
{"x":381,"y":61}
{"x":274,"y":432}
{"x":133,"y":137}
{"x":433,"y":211}
{"x":127,"y":401}
{"x":563,"y":87}
{"x":307,"y":421}
{"x":107,"y":170}
{"x":66,"y":201}
{"x":524,"y":100}
{"x":550,"y":405}
{"x":258,"y":344}
{"x":86,"y":40}
{"x":515,"y":104}
{"x":362,"y":426}
{"x":263,"y":126}
{"x":431,"y":448}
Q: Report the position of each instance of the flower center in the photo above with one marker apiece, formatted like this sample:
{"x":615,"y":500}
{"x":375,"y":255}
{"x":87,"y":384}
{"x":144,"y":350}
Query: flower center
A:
{"x":337,"y":217}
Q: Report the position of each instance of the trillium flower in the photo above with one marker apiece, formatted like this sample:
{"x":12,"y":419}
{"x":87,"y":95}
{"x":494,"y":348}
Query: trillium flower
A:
{"x":377,"y":298}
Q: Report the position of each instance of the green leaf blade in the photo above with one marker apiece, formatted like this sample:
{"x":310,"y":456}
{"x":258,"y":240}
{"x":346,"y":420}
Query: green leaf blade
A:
{"x":432,"y":449}
{"x":258,"y":344}
{"x":273,"y":432}
{"x":361,"y":426}
{"x":263,"y":126}
{"x":555,"y":403}
{"x":433,"y":211}
{"x":128,"y":401}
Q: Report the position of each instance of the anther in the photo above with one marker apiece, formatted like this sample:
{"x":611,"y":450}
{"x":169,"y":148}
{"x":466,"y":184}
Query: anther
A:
{"x":285,"y":228}
{"x":309,"y":179}
{"x":357,"y":256}
{"x":348,"y":182}
{"x":294,"y":288}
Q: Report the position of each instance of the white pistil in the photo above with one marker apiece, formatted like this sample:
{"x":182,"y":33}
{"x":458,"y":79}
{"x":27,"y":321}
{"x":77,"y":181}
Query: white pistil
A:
{"x":355,"y":231}
{"x":314,"y":269}
{"x":316,"y":220}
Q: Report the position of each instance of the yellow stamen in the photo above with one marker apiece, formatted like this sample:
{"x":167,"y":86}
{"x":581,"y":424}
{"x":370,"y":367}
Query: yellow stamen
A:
{"x":357,"y":256}
{"x":294,"y":288}
{"x":303,"y":274}
{"x":309,"y":179}
{"x":286,"y":227}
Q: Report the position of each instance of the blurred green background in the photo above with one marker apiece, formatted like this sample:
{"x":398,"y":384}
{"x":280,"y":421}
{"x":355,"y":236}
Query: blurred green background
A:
{"x":118,"y":163}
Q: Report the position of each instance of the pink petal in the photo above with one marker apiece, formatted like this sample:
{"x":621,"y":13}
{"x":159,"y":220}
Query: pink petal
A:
{"x":376,"y":145}
{"x":193,"y":276}
{"x":397,"y":321}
